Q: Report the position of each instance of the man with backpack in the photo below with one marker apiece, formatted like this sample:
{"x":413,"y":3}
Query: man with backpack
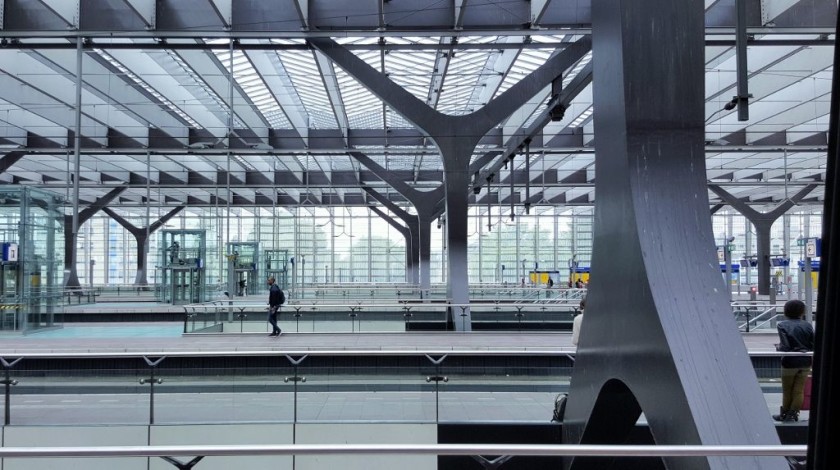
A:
{"x":275,"y":299}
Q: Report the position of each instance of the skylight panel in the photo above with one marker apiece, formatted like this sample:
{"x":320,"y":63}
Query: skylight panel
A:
{"x":364,"y":110}
{"x":396,"y":120}
{"x":358,"y":40}
{"x":145,"y":86}
{"x":304,"y":74}
{"x":539,"y":38}
{"x":431,"y":41}
{"x":527,"y":61}
{"x":252,"y":85}
{"x":580,"y":120}
{"x":412,"y":71}
{"x":199,"y":82}
{"x":461,"y":78}
{"x":242,"y":162}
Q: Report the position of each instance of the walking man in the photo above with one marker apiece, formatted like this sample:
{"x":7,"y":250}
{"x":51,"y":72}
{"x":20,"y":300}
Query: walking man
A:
{"x":275,"y":298}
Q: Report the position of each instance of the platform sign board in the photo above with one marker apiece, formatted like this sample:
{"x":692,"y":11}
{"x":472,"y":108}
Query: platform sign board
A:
{"x":812,"y":248}
{"x":10,"y":252}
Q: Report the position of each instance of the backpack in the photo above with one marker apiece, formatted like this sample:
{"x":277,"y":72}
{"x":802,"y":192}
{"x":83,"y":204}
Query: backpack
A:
{"x":559,"y":408}
{"x":282,"y":297}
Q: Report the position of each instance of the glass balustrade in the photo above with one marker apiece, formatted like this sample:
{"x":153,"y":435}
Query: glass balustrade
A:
{"x":301,"y":389}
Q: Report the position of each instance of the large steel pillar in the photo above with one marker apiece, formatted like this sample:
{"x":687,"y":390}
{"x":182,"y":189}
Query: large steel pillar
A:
{"x":658,"y":336}
{"x":763,"y":222}
{"x":141,"y":235}
{"x":71,"y":278}
{"x":428,"y":204}
{"x":456,"y":137}
{"x":411,"y":246}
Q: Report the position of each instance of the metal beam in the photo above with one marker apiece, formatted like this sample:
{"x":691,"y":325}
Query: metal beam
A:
{"x":223,"y":8}
{"x":334,"y":93}
{"x":160,"y":78}
{"x":212,"y":71}
{"x":68,"y":10}
{"x":302,"y":7}
{"x":10,"y":159}
{"x":122,"y":93}
{"x":145,"y":9}
{"x":523,"y":135}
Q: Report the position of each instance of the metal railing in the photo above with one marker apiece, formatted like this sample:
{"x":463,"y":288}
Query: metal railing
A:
{"x":753,"y":312}
{"x":557,"y":450}
{"x":425,"y":378}
{"x":211,"y":317}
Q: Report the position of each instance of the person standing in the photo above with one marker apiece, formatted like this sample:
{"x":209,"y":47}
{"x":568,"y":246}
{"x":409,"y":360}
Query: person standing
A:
{"x":795,"y":335}
{"x":577,"y":322}
{"x":174,"y":248}
{"x":275,"y":298}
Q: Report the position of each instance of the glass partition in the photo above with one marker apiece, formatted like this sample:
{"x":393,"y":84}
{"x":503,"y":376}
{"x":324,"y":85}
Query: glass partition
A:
{"x":30,"y":267}
{"x":314,"y":388}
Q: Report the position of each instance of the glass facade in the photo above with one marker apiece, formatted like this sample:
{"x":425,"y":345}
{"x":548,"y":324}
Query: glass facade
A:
{"x":354,"y":245}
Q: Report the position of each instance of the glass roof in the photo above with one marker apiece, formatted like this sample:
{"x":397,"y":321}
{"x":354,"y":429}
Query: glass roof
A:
{"x":291,"y":114}
{"x":302,"y":69}
{"x":252,"y":84}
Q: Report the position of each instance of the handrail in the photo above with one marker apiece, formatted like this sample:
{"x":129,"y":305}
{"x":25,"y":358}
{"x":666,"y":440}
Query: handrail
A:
{"x":768,"y":308}
{"x":441,"y":303}
{"x":758,"y":326}
{"x":333,"y":352}
{"x":413,"y":449}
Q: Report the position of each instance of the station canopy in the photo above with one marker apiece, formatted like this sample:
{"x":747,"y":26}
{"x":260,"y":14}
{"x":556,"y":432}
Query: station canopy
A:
{"x":158,"y":102}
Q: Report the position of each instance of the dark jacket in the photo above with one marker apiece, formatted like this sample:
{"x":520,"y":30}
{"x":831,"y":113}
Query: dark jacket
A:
{"x":796,"y":336}
{"x":274,"y":295}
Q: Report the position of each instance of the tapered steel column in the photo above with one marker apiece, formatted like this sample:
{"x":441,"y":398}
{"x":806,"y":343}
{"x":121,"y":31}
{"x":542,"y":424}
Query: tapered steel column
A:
{"x":763,"y":222}
{"x":71,"y":280}
{"x":428,"y":204}
{"x":658,"y":336}
{"x":411,"y":272}
{"x":456,"y":137}
{"x":142,"y":234}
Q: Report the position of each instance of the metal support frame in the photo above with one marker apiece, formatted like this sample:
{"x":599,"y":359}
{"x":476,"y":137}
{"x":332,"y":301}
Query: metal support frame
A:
{"x":763,"y":222}
{"x":653,"y":238}
{"x":71,"y":277}
{"x":183,"y":465}
{"x":152,"y":381}
{"x":681,"y":451}
{"x":295,"y":379}
{"x":456,"y":137}
{"x":511,"y":177}
{"x":71,"y":225}
{"x":743,"y":96}
{"x":9,"y":160}
{"x":8,"y":382}
{"x":528,"y":177}
{"x":437,"y":379}
{"x":141,"y":235}
{"x":412,"y":250}
{"x":428,"y":205}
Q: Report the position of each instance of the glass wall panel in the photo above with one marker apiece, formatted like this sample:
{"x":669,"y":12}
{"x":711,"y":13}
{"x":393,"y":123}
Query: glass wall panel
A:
{"x":355,"y":245}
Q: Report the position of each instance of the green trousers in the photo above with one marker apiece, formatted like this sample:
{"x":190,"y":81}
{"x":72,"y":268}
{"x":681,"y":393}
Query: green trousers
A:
{"x":793,"y":387}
